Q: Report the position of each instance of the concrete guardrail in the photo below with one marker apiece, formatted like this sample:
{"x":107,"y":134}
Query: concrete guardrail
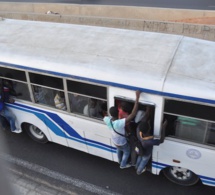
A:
{"x":173,"y":21}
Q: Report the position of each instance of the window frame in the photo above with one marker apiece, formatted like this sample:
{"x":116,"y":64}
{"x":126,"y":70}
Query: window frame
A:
{"x":208,"y":123}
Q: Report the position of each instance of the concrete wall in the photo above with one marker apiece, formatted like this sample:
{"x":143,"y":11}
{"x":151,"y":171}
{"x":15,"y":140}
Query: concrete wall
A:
{"x":138,"y":18}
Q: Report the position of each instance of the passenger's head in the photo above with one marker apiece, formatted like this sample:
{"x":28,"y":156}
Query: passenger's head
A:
{"x":114,"y":112}
{"x":7,"y":83}
{"x":126,"y":107}
{"x":144,"y":127}
{"x":61,"y":94}
{"x":93,"y":103}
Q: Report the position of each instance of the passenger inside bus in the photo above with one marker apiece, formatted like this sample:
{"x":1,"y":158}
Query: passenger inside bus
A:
{"x":10,"y":86}
{"x":77,"y":103}
{"x":93,"y":108}
{"x":59,"y":100}
{"x":44,"y":95}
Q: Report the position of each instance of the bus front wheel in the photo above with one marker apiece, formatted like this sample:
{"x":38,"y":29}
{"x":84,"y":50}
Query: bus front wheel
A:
{"x":35,"y":133}
{"x":181,"y":176}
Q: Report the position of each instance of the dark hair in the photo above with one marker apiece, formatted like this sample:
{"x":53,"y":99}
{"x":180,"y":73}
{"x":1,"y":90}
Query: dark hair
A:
{"x":114,"y":112}
{"x":144,"y":127}
{"x":126,"y":107}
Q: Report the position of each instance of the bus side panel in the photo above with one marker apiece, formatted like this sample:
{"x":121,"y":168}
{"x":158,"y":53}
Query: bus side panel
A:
{"x":95,"y":135}
{"x":42,"y":119}
{"x":196,"y":158}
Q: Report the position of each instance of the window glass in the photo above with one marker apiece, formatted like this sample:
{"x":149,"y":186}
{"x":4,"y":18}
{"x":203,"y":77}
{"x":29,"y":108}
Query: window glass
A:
{"x":77,"y":103}
{"x":44,"y":95}
{"x":48,"y":81}
{"x":12,"y":74}
{"x":87,"y":89}
{"x":21,"y":91}
{"x":190,"y":121}
{"x":90,"y":107}
{"x":59,"y":100}
{"x":17,"y":89}
{"x":190,"y":129}
{"x":210,"y":139}
{"x":190,"y":109}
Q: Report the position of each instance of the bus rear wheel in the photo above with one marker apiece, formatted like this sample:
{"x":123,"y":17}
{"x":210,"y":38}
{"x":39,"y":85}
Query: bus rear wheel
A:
{"x":181,"y":176}
{"x":35,"y":133}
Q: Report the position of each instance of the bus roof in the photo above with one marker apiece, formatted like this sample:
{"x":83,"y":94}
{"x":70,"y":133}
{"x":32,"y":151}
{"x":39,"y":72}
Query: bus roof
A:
{"x":171,"y":65}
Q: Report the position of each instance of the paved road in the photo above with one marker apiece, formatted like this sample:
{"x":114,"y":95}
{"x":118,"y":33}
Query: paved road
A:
{"x":64,"y":164}
{"x":179,"y":4}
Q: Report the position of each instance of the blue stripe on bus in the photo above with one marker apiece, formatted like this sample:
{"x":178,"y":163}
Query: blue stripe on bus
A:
{"x":207,"y":180}
{"x":204,"y":179}
{"x":159,"y":165}
{"x":113,"y":84}
{"x":73,"y":135}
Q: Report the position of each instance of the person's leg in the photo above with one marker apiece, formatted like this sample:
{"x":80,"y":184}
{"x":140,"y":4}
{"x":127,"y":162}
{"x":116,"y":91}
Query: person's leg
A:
{"x":119,"y":154}
{"x":126,"y":153}
{"x":138,"y":161}
{"x":10,"y":117}
{"x":133,"y":157}
{"x":142,"y":164}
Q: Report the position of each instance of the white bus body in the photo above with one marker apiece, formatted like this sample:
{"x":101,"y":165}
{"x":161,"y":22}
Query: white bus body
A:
{"x":169,"y":69}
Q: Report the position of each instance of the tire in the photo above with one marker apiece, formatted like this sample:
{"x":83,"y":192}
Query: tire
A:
{"x":35,"y":133}
{"x":181,"y":176}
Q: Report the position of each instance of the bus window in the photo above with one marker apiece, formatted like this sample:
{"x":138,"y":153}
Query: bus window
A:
{"x":45,"y":88}
{"x":190,"y":129}
{"x":44,"y":95}
{"x":87,"y":99}
{"x":16,"y":81}
{"x":186,"y":123}
{"x":210,"y":138}
{"x":21,"y":90}
{"x":77,"y":103}
{"x":93,"y":108}
{"x":46,"y":81}
{"x":87,"y":89}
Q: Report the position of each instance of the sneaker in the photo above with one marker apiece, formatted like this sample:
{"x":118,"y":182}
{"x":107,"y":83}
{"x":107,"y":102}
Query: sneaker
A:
{"x":139,"y":173}
{"x":17,"y":131}
{"x":126,"y":166}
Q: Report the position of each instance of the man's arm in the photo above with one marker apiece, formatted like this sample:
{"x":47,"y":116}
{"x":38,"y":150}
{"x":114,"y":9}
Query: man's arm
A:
{"x":135,"y":108}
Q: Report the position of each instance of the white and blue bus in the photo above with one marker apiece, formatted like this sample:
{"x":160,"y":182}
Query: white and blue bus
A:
{"x":94,"y":68}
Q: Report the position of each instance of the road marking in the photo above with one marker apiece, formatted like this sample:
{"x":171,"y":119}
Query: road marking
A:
{"x":58,"y":176}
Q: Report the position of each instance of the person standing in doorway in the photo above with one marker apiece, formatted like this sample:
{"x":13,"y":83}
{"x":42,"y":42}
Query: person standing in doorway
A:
{"x":147,"y":142}
{"x":118,"y":132}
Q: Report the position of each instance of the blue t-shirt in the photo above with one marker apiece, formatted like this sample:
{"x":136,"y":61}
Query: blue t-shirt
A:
{"x":119,"y":126}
